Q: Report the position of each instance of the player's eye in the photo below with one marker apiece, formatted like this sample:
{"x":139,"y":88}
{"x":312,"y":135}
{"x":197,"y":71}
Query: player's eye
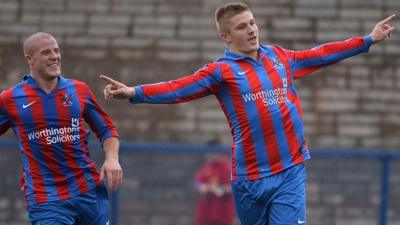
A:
{"x":45,"y":52}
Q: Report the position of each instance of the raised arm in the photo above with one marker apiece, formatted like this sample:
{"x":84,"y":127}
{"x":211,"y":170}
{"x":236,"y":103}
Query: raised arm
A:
{"x":307,"y":61}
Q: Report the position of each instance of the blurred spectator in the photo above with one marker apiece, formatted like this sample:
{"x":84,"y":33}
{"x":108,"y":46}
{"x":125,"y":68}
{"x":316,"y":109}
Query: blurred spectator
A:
{"x":215,"y":203}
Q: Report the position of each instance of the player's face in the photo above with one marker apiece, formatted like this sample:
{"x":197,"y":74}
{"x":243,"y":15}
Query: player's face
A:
{"x":45,"y":60}
{"x":242,"y":36}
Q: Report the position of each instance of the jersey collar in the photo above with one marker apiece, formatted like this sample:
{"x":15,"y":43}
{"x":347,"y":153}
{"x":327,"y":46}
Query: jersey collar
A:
{"x":228,"y":54}
{"x":28,"y":79}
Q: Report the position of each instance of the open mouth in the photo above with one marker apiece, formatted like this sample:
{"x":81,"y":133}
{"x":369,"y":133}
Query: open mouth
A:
{"x":54,"y":65}
{"x":253,"y":39}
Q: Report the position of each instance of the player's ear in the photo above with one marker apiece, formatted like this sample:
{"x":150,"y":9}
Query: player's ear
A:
{"x":28,"y":59}
{"x":225,"y":37}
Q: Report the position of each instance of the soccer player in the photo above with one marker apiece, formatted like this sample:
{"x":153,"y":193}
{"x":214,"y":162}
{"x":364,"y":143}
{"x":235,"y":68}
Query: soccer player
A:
{"x":254,"y":86}
{"x":47,"y":112}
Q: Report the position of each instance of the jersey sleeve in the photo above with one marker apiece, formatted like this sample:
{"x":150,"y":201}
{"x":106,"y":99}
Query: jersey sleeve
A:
{"x":4,"y":118}
{"x":204,"y":82}
{"x":99,"y":121}
{"x":305,"y":62}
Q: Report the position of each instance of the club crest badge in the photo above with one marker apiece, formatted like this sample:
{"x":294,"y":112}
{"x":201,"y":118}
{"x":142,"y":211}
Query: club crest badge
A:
{"x":277,"y":64}
{"x":67,"y":100}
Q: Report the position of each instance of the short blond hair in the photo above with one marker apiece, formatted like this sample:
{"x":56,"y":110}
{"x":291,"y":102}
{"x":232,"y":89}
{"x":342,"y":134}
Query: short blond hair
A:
{"x":30,"y":42}
{"x":224,"y":12}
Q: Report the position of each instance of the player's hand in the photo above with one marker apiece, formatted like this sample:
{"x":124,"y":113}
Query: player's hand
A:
{"x":382,"y":30}
{"x":117,"y":89}
{"x":112,"y":170}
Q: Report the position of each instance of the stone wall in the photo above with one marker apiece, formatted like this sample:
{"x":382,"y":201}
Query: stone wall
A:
{"x":353,"y":104}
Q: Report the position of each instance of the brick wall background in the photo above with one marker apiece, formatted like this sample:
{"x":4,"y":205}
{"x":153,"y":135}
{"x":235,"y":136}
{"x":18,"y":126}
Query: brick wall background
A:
{"x":353,"y":104}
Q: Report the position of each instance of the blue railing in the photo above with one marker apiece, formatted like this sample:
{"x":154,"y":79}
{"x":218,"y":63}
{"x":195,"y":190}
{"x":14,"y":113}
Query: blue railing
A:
{"x":385,"y":158}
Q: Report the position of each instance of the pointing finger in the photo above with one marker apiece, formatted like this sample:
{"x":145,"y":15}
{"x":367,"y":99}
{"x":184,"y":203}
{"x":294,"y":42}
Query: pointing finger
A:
{"x":387,"y":19}
{"x":110,"y":80}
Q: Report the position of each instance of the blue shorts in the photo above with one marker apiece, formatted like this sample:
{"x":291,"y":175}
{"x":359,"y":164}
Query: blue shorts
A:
{"x":90,"y":208}
{"x":279,"y":199}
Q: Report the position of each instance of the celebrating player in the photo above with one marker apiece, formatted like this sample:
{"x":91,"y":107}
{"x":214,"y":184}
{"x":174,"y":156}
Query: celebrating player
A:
{"x":254,"y":86}
{"x":47,"y":112}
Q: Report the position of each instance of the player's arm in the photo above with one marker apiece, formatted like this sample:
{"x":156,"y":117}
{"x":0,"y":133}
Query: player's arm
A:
{"x":4,"y":119}
{"x":111,"y":167}
{"x":305,"y":62}
{"x":202,"y":83}
{"x":102,"y":125}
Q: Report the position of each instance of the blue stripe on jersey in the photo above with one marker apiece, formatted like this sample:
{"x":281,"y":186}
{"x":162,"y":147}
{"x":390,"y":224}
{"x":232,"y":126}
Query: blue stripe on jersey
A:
{"x":26,"y":118}
{"x":139,"y":95}
{"x":24,"y":159}
{"x":74,"y":111}
{"x":297,"y":121}
{"x":298,"y":126}
{"x":277,"y":120}
{"x":51,"y":117}
{"x":94,"y":118}
{"x":3,"y":117}
{"x":253,"y":117}
{"x":225,"y":97}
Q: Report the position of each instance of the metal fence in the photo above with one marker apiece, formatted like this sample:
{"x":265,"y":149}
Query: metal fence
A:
{"x":344,"y":186}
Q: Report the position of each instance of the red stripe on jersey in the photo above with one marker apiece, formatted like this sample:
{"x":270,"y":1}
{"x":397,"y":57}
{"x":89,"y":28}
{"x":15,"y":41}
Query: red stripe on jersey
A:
{"x":64,"y":120}
{"x":39,"y":119}
{"x":110,"y":125}
{"x":196,"y":95}
{"x":37,"y":177}
{"x":292,"y":98}
{"x":166,"y":87}
{"x":233,"y":149}
{"x":290,"y":133}
{"x":22,"y":184}
{"x":305,"y":71}
{"x":249,"y":152}
{"x":327,"y":49}
{"x":267,"y":126}
{"x":82,"y":96}
{"x":106,"y":119}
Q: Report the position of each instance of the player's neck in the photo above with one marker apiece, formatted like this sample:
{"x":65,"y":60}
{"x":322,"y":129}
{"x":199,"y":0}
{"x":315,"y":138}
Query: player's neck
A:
{"x":46,"y":84}
{"x":252,"y":54}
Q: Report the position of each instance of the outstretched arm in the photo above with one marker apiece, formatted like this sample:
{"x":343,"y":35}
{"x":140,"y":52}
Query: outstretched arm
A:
{"x":305,"y":62}
{"x":202,"y":83}
{"x":382,"y":30}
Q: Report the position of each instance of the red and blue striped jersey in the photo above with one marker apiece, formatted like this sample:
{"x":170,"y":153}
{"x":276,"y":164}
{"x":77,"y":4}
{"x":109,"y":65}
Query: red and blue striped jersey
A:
{"x":53,"y":138}
{"x":259,"y":101}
